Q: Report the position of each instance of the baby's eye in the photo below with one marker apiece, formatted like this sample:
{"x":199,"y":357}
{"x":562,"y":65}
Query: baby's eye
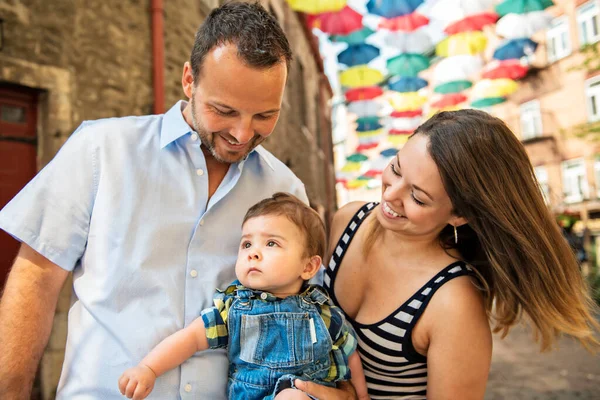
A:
{"x":271,"y":243}
{"x":246,"y":245}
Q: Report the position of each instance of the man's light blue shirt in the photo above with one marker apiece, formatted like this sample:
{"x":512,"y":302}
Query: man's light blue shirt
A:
{"x":124,"y":205}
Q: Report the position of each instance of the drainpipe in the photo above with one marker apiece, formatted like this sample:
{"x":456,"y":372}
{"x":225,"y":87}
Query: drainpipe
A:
{"x":158,"y":56}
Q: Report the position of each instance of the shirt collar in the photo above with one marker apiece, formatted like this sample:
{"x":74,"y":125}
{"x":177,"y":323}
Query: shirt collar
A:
{"x":174,"y":126}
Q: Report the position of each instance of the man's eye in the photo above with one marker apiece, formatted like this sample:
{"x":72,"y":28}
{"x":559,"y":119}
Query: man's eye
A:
{"x":224,"y":113}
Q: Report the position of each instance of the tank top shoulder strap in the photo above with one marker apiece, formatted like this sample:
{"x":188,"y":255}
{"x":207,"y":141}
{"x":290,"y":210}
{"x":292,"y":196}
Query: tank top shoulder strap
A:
{"x":343,"y":243}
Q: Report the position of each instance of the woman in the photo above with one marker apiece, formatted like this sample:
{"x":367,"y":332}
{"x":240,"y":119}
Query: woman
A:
{"x":462,"y":238}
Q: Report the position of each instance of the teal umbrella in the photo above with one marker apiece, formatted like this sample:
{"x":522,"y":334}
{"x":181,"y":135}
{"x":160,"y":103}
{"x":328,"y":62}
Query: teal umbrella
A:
{"x":357,"y":157}
{"x":453,"y":87}
{"x":487,"y":102}
{"x":356,"y":37}
{"x":522,"y":6}
{"x":407,"y":64}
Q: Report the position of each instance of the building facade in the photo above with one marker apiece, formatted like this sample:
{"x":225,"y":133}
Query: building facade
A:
{"x":66,"y":61}
{"x":556,"y":114}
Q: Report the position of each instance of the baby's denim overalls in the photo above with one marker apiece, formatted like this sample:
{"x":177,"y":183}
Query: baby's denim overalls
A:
{"x":272,"y":340}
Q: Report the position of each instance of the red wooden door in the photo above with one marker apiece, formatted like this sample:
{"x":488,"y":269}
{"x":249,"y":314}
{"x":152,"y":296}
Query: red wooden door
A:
{"x":18,"y":152}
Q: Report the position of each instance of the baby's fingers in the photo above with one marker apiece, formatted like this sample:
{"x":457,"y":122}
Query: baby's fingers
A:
{"x":123,"y":381}
{"x":141,"y":391}
{"x":130,"y":390}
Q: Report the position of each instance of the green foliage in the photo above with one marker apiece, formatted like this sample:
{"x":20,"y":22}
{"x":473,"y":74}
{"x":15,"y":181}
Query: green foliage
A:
{"x":591,"y":61}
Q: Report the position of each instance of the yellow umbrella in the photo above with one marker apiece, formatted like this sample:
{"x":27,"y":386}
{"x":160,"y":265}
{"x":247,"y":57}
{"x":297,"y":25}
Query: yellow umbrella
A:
{"x":432,"y":111}
{"x":356,"y":183}
{"x":368,"y":134}
{"x":317,"y":6}
{"x":469,"y":43}
{"x":494,"y":88}
{"x":397,"y":140}
{"x":408,"y":101}
{"x":359,"y":76}
{"x":351,"y":167}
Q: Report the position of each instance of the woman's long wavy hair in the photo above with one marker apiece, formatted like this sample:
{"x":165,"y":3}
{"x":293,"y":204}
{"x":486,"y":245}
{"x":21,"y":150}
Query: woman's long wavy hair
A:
{"x":511,"y":238}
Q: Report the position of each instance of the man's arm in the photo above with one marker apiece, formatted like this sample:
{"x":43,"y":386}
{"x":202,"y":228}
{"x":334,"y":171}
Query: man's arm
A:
{"x":358,"y":376}
{"x":26,"y":313}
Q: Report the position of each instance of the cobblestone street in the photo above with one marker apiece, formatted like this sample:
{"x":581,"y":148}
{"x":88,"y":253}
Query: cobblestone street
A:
{"x":519,"y":371}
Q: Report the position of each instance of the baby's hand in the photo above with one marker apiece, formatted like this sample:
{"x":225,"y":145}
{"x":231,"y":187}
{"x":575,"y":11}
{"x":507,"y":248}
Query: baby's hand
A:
{"x":136,"y":383}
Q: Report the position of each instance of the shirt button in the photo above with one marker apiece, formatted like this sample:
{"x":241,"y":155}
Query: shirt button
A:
{"x":194,"y":136}
{"x":193,"y":273}
{"x":188,"y":388}
{"x":201,"y":222}
{"x":264,"y":296}
{"x":200,"y":172}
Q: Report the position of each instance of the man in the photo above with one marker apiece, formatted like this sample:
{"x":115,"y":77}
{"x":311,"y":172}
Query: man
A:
{"x":146,"y":212}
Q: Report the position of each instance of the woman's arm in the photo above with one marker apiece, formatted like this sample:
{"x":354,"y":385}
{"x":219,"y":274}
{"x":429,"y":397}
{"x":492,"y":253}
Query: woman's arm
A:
{"x":460,"y":343}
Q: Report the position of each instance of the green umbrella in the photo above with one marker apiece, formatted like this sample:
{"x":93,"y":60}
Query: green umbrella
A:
{"x":453,"y":87}
{"x":407,"y":64}
{"x":364,"y":178}
{"x":356,"y":37}
{"x":357,"y":157}
{"x":522,"y":6}
{"x":487,"y":102}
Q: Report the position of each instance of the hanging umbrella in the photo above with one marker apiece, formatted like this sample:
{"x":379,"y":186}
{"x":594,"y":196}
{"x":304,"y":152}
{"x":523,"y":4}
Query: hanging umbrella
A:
{"x":513,"y":26}
{"x":363,"y":93}
{"x":453,"y":87}
{"x":515,"y":48}
{"x":356,"y":184}
{"x":357,"y":157}
{"x":351,"y":167}
{"x":316,"y":6}
{"x":455,"y":10}
{"x":474,"y":22}
{"x":358,"y":54}
{"x":367,"y":146}
{"x":462,"y":43}
{"x":457,"y":68}
{"x":404,"y":124}
{"x":366,"y":124}
{"x":407,"y":101}
{"x":341,"y":22}
{"x":417,"y":42}
{"x":365,"y":108}
{"x":405,"y":84}
{"x":433,"y":111}
{"x":522,"y":6}
{"x":407,"y":64}
{"x":511,"y":69}
{"x":392,"y":8}
{"x":398,"y":140}
{"x":487,"y":102}
{"x":391,"y":152}
{"x":360,"y":76}
{"x":449,"y":100}
{"x":406,"y":23}
{"x":494,"y":88}
{"x":406,"y":114}
{"x":355,"y":37}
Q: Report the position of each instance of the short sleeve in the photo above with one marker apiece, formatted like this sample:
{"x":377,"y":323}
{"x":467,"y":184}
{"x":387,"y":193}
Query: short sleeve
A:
{"x":215,"y":321}
{"x":344,"y":344}
{"x":52,"y":212}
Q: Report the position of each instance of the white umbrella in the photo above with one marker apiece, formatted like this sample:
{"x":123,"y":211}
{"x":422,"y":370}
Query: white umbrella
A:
{"x":513,"y":26}
{"x":365,"y":108}
{"x":457,"y":68}
{"x":404,"y":123}
{"x":453,"y":10}
{"x":409,"y":42}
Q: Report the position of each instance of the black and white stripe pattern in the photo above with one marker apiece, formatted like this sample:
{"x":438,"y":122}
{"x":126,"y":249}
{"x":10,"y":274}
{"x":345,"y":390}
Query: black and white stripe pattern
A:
{"x":393,"y":369}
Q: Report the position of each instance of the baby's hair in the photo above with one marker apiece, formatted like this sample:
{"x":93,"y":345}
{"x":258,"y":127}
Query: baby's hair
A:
{"x":301,"y":215}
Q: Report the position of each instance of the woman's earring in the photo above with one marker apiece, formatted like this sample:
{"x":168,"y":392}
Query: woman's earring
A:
{"x":455,"y":235}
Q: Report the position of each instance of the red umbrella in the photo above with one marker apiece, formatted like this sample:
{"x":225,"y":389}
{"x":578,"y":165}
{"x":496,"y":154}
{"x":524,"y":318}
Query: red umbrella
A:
{"x":367,"y":146}
{"x":498,"y":69}
{"x":406,"y":23}
{"x":372,"y":173}
{"x":474,"y":22}
{"x":407,"y":114}
{"x":449,"y":100}
{"x":341,"y":22}
{"x":400,"y":132}
{"x":363,"y":93}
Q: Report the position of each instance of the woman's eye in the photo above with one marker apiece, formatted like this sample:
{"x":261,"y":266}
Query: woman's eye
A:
{"x":394,"y":170}
{"x":420,"y":203}
{"x":271,"y":243}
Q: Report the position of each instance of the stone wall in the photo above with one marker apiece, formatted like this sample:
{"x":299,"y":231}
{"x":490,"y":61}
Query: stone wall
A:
{"x":93,"y":59}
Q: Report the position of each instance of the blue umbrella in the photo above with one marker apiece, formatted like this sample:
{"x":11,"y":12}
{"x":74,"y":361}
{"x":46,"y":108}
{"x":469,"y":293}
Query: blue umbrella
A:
{"x":358,"y":54}
{"x":391,"y":152}
{"x":366,"y":124}
{"x":393,"y":8}
{"x":515,"y":48}
{"x":408,"y":84}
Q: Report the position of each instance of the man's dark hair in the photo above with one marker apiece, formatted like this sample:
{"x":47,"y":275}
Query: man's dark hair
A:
{"x":259,"y":39}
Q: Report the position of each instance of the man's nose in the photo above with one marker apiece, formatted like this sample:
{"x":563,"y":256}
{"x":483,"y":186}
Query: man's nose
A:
{"x":243,"y":131}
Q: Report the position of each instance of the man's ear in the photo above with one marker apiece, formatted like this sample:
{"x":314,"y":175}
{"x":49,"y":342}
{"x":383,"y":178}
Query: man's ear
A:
{"x":187,"y":79}
{"x":311,"y":268}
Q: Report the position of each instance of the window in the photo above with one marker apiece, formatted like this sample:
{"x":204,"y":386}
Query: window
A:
{"x":531,"y":120}
{"x":575,"y":186}
{"x":587,"y":23}
{"x":557,"y":39}
{"x":592,"y":94}
{"x":542,"y":176}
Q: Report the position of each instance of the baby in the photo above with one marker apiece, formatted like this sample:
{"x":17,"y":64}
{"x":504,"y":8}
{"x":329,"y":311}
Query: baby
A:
{"x":275,"y":326}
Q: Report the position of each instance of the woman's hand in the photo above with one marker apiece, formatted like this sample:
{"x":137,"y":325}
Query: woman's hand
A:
{"x":344,"y":391}
{"x":136,"y":383}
